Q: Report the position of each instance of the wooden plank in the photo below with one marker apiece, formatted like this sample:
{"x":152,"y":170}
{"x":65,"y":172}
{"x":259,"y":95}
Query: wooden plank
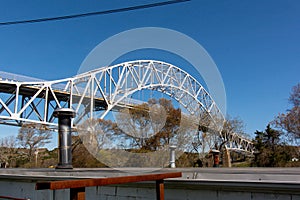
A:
{"x":55,"y":185}
{"x":77,"y":193}
{"x":13,"y":198}
{"x":160,"y":195}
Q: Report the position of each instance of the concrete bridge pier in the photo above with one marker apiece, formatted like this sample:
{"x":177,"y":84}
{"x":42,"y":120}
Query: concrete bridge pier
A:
{"x":226,"y":158}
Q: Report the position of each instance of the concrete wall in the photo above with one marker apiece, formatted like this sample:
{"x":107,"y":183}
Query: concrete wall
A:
{"x":186,"y":191}
{"x":196,"y":183}
{"x":26,"y":190}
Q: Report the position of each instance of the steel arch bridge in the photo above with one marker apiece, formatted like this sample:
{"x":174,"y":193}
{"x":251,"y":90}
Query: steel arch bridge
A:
{"x":97,"y":92}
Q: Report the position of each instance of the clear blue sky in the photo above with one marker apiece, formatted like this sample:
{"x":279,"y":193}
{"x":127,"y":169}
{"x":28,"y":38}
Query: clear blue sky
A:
{"x":255,"y":44}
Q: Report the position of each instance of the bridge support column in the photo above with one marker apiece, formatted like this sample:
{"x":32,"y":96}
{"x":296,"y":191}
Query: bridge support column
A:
{"x":226,"y":158}
{"x":64,"y":116}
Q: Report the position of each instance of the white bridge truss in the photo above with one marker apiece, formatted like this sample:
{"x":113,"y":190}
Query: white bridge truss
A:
{"x":97,"y":92}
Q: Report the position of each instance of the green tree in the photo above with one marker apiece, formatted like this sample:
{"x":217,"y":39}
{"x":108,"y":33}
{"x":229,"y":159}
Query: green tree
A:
{"x":270,"y":151}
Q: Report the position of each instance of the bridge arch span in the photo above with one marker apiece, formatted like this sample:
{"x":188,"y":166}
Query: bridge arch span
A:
{"x":103,"y":89}
{"x":168,"y":79}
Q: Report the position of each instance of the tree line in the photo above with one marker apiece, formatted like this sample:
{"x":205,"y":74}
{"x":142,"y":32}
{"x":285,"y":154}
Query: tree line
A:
{"x":151,"y":127}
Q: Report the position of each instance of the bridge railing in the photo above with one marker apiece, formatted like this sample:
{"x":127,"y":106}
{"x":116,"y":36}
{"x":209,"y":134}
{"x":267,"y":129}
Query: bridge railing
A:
{"x":19,"y":78}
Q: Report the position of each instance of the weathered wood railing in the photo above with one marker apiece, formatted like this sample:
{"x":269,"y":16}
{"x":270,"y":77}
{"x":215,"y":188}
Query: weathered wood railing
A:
{"x":12,"y":198}
{"x":77,"y":187}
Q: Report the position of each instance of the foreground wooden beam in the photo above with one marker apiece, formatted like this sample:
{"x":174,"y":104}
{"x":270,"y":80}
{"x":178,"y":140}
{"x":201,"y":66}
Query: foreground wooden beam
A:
{"x":160,"y":189}
{"x":77,"y":193}
{"x":13,"y":198}
{"x":77,"y":187}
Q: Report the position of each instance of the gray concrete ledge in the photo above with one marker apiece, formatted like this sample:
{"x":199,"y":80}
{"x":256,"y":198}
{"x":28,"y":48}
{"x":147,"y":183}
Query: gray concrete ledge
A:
{"x":249,"y":175}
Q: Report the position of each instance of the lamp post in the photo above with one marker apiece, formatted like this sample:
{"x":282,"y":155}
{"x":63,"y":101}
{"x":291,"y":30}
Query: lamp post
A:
{"x":172,"y":156}
{"x":36,"y":152}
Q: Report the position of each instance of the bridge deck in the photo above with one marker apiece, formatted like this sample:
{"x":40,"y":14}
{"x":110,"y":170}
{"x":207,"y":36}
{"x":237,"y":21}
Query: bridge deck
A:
{"x":61,"y":95}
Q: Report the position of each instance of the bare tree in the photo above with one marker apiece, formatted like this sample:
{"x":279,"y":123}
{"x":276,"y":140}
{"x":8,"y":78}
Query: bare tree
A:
{"x":7,"y":150}
{"x":235,"y":125}
{"x":289,"y":122}
{"x":9,"y":142}
{"x":97,"y":134}
{"x":295,"y":96}
{"x":151,"y":125}
{"x":32,"y":137}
